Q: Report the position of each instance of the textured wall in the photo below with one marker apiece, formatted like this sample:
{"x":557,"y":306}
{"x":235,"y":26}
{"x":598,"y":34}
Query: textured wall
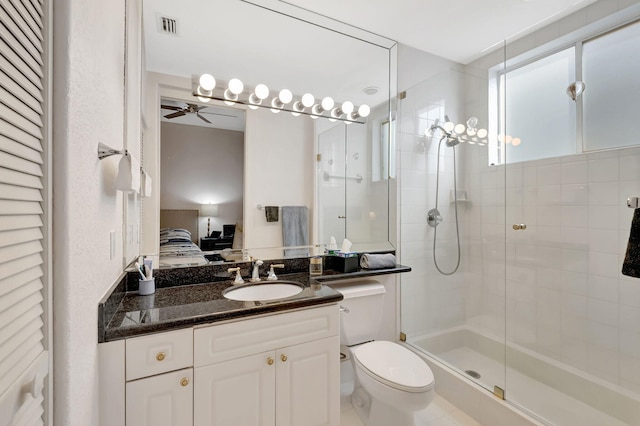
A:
{"x":88,"y":101}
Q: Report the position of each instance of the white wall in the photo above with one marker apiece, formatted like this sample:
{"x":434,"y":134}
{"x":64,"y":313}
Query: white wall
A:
{"x":88,"y":100}
{"x":202,"y":165}
{"x":279,"y":158}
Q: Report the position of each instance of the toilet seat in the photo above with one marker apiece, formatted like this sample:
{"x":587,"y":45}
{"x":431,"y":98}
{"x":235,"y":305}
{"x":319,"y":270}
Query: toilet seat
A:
{"x":394,"y":365}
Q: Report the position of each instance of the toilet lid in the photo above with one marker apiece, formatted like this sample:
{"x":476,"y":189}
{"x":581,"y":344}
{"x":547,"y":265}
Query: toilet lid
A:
{"x":394,"y":365}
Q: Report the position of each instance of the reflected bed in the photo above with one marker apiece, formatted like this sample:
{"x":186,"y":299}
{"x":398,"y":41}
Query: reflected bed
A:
{"x":178,"y":237}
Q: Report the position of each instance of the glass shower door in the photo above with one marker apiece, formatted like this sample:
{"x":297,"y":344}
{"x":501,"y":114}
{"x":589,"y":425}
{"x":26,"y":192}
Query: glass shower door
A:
{"x":456,"y":314}
{"x":332,"y":193}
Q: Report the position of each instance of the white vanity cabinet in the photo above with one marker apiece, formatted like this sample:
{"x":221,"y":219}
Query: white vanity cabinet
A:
{"x":279,"y":370}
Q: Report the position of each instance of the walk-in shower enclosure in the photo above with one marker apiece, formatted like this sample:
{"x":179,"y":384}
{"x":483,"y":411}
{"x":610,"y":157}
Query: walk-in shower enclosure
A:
{"x":538,"y":311}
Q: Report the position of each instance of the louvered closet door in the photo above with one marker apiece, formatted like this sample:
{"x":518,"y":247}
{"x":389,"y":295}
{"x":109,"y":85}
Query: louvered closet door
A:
{"x":23,"y":355}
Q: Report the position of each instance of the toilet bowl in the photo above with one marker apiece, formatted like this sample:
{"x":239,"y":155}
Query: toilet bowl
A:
{"x":392,"y":382}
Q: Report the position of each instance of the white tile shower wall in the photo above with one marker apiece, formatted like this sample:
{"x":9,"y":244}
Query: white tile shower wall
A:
{"x":431,"y":301}
{"x":566,"y":297}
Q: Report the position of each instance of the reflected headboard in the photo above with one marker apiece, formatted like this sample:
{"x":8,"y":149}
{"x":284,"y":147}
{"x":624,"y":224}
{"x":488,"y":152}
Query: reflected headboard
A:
{"x":185,"y":219}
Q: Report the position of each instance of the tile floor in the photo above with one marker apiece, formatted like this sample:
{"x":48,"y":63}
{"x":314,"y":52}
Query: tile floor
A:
{"x":439,"y":413}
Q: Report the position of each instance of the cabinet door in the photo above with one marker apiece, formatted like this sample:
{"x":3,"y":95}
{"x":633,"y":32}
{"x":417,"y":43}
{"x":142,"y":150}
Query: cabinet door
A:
{"x":236,"y":392}
{"x":308,"y":383}
{"x":165,"y":399}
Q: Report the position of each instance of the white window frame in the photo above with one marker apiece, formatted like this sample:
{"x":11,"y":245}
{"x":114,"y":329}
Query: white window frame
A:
{"x":576,"y":39}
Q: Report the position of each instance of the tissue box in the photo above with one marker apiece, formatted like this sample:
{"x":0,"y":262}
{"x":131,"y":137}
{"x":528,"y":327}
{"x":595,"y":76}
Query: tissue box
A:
{"x":342,"y":263}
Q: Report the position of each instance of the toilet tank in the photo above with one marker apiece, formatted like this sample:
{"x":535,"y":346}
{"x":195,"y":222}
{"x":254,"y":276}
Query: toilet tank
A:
{"x":360,"y":311}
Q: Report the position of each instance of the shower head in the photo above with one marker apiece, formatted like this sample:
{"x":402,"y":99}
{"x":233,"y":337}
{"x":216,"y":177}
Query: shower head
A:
{"x":451,"y":142}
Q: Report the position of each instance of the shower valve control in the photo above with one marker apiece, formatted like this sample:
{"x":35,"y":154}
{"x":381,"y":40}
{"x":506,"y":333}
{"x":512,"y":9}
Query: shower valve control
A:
{"x":433,"y":218}
{"x":519,"y":227}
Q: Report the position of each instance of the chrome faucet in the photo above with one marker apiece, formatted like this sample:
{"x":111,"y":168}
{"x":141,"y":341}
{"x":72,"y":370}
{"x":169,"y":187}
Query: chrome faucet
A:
{"x":238,"y":279}
{"x":272,"y":275}
{"x":255,"y":276}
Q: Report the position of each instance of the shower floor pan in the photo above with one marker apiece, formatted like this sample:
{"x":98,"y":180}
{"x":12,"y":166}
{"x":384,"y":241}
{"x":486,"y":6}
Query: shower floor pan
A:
{"x":557,"y":394}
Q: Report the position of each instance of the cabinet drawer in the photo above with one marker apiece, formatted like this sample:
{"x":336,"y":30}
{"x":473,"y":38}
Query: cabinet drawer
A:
{"x":228,"y":341}
{"x":159,"y":353}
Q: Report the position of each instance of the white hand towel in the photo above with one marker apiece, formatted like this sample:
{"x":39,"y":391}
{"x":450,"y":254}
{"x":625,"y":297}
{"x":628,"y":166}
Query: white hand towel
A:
{"x":128,"y":179}
{"x":377,"y":261}
{"x":146,"y":185}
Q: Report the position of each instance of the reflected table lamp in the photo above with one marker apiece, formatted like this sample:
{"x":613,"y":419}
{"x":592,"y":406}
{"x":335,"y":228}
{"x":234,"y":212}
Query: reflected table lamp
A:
{"x":209,"y":211}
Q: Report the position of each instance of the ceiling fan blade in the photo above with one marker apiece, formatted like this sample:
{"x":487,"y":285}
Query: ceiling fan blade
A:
{"x":172,"y":107}
{"x":176,"y":114}
{"x":202,"y":118}
{"x":221,"y":115}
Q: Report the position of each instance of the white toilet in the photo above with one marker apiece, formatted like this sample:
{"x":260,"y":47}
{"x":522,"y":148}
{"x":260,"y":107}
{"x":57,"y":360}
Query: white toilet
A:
{"x":392,"y":383}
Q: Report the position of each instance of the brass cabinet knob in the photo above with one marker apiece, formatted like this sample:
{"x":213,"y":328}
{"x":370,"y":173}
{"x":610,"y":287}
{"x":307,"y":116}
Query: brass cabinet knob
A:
{"x":270,"y":361}
{"x":184,"y":381}
{"x":160,"y":356}
{"x":519,"y":226}
{"x":283,"y":357}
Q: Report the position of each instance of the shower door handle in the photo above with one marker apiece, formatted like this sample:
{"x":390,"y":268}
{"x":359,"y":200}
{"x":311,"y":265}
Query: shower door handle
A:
{"x":519,"y":227}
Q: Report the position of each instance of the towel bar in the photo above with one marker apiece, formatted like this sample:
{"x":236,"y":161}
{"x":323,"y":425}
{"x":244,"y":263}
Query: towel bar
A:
{"x":261,"y":207}
{"x":105,"y":151}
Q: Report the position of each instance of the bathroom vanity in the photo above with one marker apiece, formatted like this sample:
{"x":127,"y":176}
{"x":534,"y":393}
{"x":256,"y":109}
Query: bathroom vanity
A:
{"x":188,"y":356}
{"x":277,"y":369}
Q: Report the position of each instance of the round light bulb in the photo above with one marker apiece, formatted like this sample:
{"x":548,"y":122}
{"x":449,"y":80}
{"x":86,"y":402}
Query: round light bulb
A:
{"x":347,"y":107}
{"x":459,"y":128}
{"x":207,"y":82}
{"x":235,"y":86}
{"x":285,"y":96}
{"x":308,"y":100}
{"x":276,"y":104}
{"x":516,"y":141}
{"x":261,"y":91}
{"x":230,"y":97}
{"x":204,"y":93}
{"x":364,"y":110}
{"x":327,"y":103}
{"x":448,"y":126}
{"x":472,"y":122}
{"x":254,"y":101}
{"x":482,"y":133}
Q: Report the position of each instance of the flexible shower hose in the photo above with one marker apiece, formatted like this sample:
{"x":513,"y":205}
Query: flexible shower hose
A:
{"x":455,"y":204}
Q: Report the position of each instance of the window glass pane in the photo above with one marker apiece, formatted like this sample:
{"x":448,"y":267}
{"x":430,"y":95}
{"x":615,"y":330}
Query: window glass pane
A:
{"x":611,"y":72}
{"x":538,"y":111}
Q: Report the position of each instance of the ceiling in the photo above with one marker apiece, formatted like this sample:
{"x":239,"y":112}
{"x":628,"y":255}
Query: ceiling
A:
{"x":459,"y":30}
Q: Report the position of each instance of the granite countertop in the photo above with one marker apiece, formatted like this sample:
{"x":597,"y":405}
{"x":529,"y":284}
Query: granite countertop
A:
{"x":175,"y":307}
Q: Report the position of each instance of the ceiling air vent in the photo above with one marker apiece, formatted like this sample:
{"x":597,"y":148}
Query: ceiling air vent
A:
{"x":167,"y":25}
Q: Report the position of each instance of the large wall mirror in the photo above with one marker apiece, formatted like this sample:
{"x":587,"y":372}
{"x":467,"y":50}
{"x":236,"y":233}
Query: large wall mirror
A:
{"x":330,"y":165}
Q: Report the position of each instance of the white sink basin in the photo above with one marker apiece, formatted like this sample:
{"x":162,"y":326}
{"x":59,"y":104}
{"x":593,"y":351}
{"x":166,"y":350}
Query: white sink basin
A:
{"x":265,"y":290}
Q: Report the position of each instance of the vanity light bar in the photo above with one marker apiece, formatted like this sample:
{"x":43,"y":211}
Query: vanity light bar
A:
{"x":345,"y":112}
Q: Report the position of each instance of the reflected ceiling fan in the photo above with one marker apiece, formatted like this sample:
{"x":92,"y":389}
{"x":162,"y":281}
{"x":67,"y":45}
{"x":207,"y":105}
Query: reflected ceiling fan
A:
{"x":183,"y":110}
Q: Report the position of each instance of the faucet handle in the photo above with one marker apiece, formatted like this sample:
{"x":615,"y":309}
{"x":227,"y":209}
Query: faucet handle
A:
{"x":272,"y":275}
{"x":238,"y":279}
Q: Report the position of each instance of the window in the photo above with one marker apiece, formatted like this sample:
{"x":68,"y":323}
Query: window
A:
{"x":530,"y":103}
{"x":611,"y":101}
